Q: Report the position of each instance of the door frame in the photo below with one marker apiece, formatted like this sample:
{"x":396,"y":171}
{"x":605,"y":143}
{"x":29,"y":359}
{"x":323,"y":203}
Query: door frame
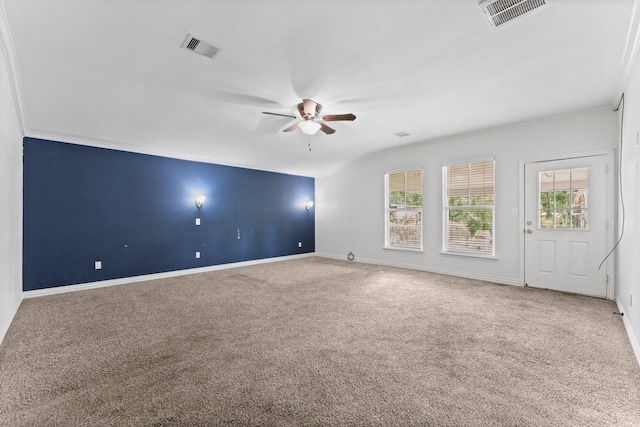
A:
{"x":610,"y":210}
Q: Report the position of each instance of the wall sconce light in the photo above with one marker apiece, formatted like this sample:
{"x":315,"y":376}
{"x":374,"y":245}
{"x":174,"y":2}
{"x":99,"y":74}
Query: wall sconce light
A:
{"x":308,"y":205}
{"x":200,"y":201}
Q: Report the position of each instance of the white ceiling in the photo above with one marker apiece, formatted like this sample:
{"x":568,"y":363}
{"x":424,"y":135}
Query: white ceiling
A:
{"x":113,"y":73}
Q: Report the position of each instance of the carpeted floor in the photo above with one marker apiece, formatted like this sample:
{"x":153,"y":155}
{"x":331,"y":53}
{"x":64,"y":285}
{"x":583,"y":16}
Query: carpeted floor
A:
{"x":318,"y":342}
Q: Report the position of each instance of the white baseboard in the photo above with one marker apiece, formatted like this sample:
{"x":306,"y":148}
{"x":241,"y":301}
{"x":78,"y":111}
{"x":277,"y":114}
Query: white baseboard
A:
{"x":146,"y":277}
{"x":486,"y":278}
{"x":6,"y":322}
{"x":635,"y":345}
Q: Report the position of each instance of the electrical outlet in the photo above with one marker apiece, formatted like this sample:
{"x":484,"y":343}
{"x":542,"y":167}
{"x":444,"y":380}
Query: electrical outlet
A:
{"x":197,"y":254}
{"x":630,"y":300}
{"x":98,"y":265}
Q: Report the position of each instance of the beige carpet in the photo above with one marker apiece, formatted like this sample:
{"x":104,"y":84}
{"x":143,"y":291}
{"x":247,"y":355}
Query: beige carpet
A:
{"x":318,"y":342}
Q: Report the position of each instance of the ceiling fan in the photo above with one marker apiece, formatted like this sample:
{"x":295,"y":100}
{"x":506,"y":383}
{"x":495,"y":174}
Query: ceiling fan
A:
{"x":310,"y":112}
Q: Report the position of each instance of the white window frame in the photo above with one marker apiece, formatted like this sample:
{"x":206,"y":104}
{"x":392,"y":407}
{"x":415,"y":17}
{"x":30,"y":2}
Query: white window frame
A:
{"x":446,"y":209}
{"x":389,"y":209}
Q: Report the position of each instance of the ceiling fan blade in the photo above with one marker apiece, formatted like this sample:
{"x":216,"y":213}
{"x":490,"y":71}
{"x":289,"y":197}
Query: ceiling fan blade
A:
{"x":291,"y":128}
{"x":243,"y":99}
{"x":278,"y":114}
{"x":326,"y":129}
{"x":337,"y":117}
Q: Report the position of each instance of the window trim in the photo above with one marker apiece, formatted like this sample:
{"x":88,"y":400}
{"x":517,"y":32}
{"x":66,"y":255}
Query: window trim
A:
{"x":446,"y":208}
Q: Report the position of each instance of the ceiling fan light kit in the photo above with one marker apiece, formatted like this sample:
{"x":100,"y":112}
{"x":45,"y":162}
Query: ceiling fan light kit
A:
{"x":309,"y":112}
{"x":309,"y":127}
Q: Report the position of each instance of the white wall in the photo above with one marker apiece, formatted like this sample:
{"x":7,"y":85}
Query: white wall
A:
{"x":350,"y":203}
{"x":10,"y":198}
{"x":628,"y":253}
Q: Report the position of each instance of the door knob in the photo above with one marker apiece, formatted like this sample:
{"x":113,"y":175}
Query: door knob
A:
{"x":529,"y":231}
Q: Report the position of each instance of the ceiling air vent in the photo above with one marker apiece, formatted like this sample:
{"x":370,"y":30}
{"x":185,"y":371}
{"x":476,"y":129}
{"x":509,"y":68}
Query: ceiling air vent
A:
{"x":499,"y":12}
{"x":203,"y":48}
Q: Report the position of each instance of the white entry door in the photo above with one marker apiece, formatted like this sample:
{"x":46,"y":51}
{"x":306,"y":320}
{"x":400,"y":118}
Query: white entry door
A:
{"x":566,"y":225}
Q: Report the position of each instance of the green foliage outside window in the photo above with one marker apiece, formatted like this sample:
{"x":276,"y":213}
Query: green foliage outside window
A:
{"x":473,"y":219}
{"x":404,"y":199}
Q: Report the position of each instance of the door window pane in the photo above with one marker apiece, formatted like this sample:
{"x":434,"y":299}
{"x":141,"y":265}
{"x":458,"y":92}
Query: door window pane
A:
{"x":579,"y":178}
{"x":546,"y":180}
{"x":563,"y":199}
{"x":562,"y":219}
{"x":562,"y":179}
{"x":546,"y":219}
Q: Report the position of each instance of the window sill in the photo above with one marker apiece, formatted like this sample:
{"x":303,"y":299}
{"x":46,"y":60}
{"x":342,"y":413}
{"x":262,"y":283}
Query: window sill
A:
{"x":460,"y":254}
{"x":390,"y":248}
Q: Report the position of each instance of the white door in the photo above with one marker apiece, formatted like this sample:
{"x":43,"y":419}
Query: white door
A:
{"x":566,"y":225}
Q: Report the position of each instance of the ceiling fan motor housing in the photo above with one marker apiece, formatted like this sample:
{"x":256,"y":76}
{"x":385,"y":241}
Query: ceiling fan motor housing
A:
{"x":309,"y":109}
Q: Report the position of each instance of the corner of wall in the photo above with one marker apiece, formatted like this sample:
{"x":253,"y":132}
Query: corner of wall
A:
{"x":5,"y":321}
{"x":11,"y":134}
{"x":626,"y":265}
{"x":635,"y":345}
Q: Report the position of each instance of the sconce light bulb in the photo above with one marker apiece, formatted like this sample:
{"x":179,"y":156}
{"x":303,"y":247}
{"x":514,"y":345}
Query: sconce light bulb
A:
{"x":200,"y":201}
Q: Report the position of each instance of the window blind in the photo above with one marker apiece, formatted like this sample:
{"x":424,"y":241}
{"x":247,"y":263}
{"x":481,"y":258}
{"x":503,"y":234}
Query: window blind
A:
{"x":404,"y":210}
{"x":469,"y":191}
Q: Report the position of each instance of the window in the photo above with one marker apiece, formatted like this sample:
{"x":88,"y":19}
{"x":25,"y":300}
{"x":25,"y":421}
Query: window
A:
{"x":563,"y":199}
{"x":404,"y":210}
{"x":469,"y":208}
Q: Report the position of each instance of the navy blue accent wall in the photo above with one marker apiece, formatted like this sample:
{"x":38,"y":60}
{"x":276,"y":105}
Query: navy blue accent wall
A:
{"x":136,"y":214}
